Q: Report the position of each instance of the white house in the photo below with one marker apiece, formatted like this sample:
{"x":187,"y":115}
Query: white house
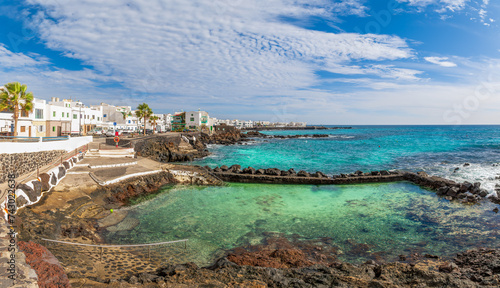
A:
{"x":199,"y":120}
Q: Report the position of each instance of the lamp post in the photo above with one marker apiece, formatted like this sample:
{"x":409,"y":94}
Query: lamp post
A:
{"x":80,"y":117}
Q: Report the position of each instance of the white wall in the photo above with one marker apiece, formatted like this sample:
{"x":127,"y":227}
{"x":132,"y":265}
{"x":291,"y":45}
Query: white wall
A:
{"x":20,"y":147}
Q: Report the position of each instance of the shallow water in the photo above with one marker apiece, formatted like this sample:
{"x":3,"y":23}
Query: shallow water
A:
{"x":391,"y":219}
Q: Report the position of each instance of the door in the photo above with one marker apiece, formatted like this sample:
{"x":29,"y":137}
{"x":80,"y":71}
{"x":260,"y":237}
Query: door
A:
{"x":59,"y":131}
{"x":29,"y":131}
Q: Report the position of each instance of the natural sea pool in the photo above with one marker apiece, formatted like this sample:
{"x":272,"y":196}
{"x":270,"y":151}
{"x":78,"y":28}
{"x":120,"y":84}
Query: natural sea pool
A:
{"x":386,"y":219}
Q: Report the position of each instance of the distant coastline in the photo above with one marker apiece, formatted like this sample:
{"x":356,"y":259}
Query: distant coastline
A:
{"x":294,"y":128}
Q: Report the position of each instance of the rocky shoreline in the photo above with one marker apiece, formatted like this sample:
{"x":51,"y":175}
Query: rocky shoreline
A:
{"x":473,"y":268}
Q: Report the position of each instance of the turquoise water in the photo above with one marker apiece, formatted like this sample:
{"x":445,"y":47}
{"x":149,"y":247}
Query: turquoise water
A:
{"x":376,"y":221}
{"x":437,"y":150}
{"x":359,"y":222}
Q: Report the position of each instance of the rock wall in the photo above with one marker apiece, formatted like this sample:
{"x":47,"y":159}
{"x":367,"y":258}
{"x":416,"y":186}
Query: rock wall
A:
{"x":22,"y":163}
{"x":31,"y":192}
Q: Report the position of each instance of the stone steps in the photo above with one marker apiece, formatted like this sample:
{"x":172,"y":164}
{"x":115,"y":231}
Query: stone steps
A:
{"x":118,"y":153}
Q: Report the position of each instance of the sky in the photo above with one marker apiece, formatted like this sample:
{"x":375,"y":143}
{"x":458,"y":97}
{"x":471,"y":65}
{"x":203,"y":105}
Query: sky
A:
{"x":352,"y":62}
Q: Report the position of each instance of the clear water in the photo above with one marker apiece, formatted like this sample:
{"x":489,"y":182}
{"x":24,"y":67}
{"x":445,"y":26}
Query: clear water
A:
{"x":437,"y":150}
{"x":390,"y":218}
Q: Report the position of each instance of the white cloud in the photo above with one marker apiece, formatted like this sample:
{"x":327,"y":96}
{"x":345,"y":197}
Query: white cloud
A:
{"x":442,"y":61}
{"x":443,"y":5}
{"x":204,"y":47}
{"x":9,"y":59}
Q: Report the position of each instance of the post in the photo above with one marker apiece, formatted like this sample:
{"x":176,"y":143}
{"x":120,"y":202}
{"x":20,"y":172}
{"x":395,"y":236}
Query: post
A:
{"x":149,"y":252}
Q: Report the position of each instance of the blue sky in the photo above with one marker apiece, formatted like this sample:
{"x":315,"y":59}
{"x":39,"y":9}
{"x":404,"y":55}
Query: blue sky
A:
{"x":321,"y":61}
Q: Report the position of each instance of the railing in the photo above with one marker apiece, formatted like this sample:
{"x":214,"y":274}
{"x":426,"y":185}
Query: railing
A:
{"x":31,"y":139}
{"x":100,"y":248}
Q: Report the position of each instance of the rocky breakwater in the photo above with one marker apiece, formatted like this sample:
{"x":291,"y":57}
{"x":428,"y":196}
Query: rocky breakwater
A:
{"x":465,"y":192}
{"x":256,"y":134}
{"x":274,"y":175}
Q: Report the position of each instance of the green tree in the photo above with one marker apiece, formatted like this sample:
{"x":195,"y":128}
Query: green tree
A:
{"x":144,"y":112}
{"x":13,"y":97}
{"x":153,"y":120}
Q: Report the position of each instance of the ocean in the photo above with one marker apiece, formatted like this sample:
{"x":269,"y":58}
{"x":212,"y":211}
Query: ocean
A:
{"x":437,"y":150}
{"x":360,"y":222}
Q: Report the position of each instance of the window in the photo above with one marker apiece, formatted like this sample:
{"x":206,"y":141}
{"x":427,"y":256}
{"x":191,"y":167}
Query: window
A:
{"x":54,"y":128}
{"x":191,"y":119}
{"x":38,"y":113}
{"x":23,"y":128}
{"x":54,"y":114}
{"x":98,"y":119}
{"x":75,"y":116}
{"x":93,"y":117}
{"x":128,"y":121}
{"x":40,"y":128}
{"x":24,"y":113}
{"x":105,"y":115}
{"x":62,"y":114}
{"x":67,"y":114}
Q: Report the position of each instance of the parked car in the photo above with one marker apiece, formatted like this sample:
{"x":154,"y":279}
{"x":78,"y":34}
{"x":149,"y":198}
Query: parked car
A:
{"x":95,"y":132}
{"x":148,"y":131}
{"x":111,"y":133}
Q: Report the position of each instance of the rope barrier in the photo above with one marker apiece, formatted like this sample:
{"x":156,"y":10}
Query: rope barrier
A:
{"x":115,"y":246}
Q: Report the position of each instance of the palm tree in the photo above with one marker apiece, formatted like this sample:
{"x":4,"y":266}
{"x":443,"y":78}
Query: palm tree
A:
{"x":13,"y":97}
{"x":153,"y":121}
{"x":143,"y":111}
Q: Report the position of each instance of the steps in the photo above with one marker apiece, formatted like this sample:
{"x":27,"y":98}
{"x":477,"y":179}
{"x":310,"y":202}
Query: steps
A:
{"x":113,"y":153}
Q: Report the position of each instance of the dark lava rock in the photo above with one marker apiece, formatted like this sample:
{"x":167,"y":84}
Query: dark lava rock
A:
{"x":217,"y":170}
{"x":385,"y":172}
{"x":466,"y":164}
{"x":21,"y":201}
{"x":442,"y":190}
{"x":292,"y":172}
{"x":235,"y":169}
{"x":453,"y":192}
{"x":208,"y":168}
{"x":224,"y":168}
{"x":249,"y":170}
{"x":359,"y":173}
{"x":285,"y":173}
{"x":62,"y":173}
{"x":28,"y":191}
{"x":273,"y":172}
{"x":37,"y":187}
{"x":53,"y":179}
{"x":483,"y":193}
{"x":448,"y":267}
{"x":303,"y":173}
{"x":260,"y":172}
{"x":66,"y":165}
{"x":495,"y":210}
{"x":45,"y":179}
{"x":375,"y":173}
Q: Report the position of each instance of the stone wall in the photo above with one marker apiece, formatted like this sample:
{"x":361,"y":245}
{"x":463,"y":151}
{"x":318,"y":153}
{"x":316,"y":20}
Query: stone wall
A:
{"x":22,"y":163}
